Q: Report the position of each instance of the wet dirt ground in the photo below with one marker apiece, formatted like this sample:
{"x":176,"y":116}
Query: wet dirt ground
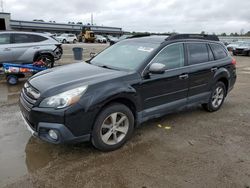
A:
{"x":191,"y":148}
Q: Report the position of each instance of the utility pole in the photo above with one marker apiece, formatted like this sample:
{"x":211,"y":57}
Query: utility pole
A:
{"x":2,"y":6}
{"x":92,"y":21}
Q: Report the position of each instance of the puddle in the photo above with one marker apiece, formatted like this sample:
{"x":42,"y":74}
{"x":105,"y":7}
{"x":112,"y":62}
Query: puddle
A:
{"x":9,"y":93}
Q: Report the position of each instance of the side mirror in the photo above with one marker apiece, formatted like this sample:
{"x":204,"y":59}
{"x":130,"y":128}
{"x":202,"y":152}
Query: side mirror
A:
{"x":157,"y":68}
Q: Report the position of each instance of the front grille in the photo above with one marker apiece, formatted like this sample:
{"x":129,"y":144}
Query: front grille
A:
{"x":27,"y":99}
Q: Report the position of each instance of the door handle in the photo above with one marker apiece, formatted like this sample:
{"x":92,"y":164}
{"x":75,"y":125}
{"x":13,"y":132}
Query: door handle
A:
{"x":214,"y":69}
{"x":183,"y":77}
{"x":6,"y":49}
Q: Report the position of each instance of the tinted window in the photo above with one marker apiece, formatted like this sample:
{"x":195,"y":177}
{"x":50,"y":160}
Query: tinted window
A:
{"x":197,"y":53}
{"x":172,"y":56}
{"x":27,"y":38}
{"x":37,"y":38}
{"x":219,"y":52}
{"x":5,"y":39}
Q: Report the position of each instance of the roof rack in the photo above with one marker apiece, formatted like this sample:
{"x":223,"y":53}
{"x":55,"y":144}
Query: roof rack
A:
{"x":193,"y":36}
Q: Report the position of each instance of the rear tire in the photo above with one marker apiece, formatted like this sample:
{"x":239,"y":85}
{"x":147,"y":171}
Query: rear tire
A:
{"x":74,"y":41}
{"x":113,"y":127}
{"x":64,"y":41}
{"x":216,"y":98}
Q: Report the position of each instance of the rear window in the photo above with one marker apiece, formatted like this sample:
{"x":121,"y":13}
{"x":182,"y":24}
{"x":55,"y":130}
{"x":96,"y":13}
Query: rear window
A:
{"x":197,"y":53}
{"x":219,"y":52}
{"x":27,"y":38}
{"x":5,"y":39}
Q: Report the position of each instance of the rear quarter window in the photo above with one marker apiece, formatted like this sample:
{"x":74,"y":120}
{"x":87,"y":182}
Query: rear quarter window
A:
{"x":219,"y":51}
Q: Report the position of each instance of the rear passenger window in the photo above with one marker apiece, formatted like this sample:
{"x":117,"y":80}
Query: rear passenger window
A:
{"x":27,"y":38}
{"x":20,"y":38}
{"x":5,"y":39}
{"x":219,"y":52}
{"x":197,"y":53}
{"x":172,"y":56}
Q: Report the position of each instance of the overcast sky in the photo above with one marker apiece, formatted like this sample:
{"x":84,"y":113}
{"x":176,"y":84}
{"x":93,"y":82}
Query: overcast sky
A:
{"x":141,"y":15}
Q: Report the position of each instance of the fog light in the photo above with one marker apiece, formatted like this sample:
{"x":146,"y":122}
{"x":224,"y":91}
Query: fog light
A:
{"x":53,"y":134}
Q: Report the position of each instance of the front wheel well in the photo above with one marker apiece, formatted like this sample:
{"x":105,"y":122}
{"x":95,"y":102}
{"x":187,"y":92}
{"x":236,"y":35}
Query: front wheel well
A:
{"x":123,"y":101}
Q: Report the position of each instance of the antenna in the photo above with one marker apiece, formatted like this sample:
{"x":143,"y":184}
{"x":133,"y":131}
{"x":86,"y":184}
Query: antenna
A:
{"x":2,"y":6}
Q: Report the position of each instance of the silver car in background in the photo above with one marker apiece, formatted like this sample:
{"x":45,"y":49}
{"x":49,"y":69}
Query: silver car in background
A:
{"x":28,"y":47}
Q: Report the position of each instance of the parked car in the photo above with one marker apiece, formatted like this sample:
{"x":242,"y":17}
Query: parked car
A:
{"x":112,"y":40}
{"x":135,"y":80}
{"x":27,"y":47}
{"x":233,"y":45}
{"x":100,"y":39}
{"x":242,"y":49}
{"x":67,"y":38}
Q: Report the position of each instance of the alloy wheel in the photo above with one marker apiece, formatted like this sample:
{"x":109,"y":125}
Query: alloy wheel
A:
{"x":114,"y":128}
{"x":217,"y":97}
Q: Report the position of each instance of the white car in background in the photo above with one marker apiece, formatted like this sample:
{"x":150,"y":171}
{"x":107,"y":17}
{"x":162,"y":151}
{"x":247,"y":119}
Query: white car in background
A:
{"x":66,"y":38}
{"x":234,"y":45}
{"x":100,"y":39}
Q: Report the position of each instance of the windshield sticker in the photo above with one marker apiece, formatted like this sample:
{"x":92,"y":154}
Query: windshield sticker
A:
{"x":145,"y":49}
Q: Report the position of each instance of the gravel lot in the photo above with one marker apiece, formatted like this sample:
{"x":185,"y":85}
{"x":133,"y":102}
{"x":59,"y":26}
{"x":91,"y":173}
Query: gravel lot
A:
{"x":191,"y":148}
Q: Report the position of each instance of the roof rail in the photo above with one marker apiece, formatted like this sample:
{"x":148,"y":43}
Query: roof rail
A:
{"x":193,"y":36}
{"x":139,"y":35}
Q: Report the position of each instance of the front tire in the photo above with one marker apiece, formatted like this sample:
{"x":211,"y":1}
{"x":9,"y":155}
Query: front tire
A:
{"x":217,"y":98}
{"x":113,"y":127}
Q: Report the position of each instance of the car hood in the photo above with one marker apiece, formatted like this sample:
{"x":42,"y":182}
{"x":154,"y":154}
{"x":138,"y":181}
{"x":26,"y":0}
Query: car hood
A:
{"x":67,"y":77}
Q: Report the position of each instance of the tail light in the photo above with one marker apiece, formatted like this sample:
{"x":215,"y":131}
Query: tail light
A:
{"x":234,"y":62}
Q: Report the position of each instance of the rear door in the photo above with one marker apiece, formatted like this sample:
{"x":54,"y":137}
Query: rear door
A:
{"x":161,"y":92}
{"x":5,"y":49}
{"x":25,"y":45}
{"x":201,"y":71}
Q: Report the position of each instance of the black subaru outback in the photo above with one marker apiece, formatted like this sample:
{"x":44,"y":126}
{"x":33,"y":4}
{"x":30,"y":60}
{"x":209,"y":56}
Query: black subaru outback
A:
{"x":137,"y":79}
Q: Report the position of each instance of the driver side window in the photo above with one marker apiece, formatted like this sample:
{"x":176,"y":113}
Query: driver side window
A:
{"x":171,"y":56}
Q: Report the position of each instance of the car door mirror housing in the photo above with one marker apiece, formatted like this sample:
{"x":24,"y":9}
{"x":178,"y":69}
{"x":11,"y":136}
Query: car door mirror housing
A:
{"x":157,"y":68}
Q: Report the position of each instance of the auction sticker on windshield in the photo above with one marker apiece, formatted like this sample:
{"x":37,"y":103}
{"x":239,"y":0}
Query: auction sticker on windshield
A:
{"x":145,"y":49}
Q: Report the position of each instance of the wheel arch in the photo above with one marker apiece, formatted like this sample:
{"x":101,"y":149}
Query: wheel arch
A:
{"x":39,"y":53}
{"x":119,"y":100}
{"x":223,"y":75}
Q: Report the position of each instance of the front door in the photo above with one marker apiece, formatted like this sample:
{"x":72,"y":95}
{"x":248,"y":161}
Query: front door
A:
{"x":163,"y":92}
{"x":5,"y":49}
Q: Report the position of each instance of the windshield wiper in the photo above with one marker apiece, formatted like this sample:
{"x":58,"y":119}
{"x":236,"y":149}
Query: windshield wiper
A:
{"x":107,"y":67}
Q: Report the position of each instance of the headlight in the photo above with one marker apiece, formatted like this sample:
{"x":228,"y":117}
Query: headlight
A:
{"x":64,"y":99}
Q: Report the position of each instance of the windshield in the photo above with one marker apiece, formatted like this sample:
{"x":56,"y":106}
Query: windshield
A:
{"x":127,"y":55}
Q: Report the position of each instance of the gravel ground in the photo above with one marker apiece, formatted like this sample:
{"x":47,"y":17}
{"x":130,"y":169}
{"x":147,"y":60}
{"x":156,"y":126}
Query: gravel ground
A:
{"x":191,"y":148}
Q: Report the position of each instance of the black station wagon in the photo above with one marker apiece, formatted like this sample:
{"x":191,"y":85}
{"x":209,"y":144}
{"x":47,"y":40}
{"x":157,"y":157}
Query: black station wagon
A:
{"x":130,"y":82}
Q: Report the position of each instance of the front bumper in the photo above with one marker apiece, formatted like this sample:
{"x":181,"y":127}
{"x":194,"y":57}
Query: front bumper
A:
{"x":241,"y":51}
{"x":63,"y":133}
